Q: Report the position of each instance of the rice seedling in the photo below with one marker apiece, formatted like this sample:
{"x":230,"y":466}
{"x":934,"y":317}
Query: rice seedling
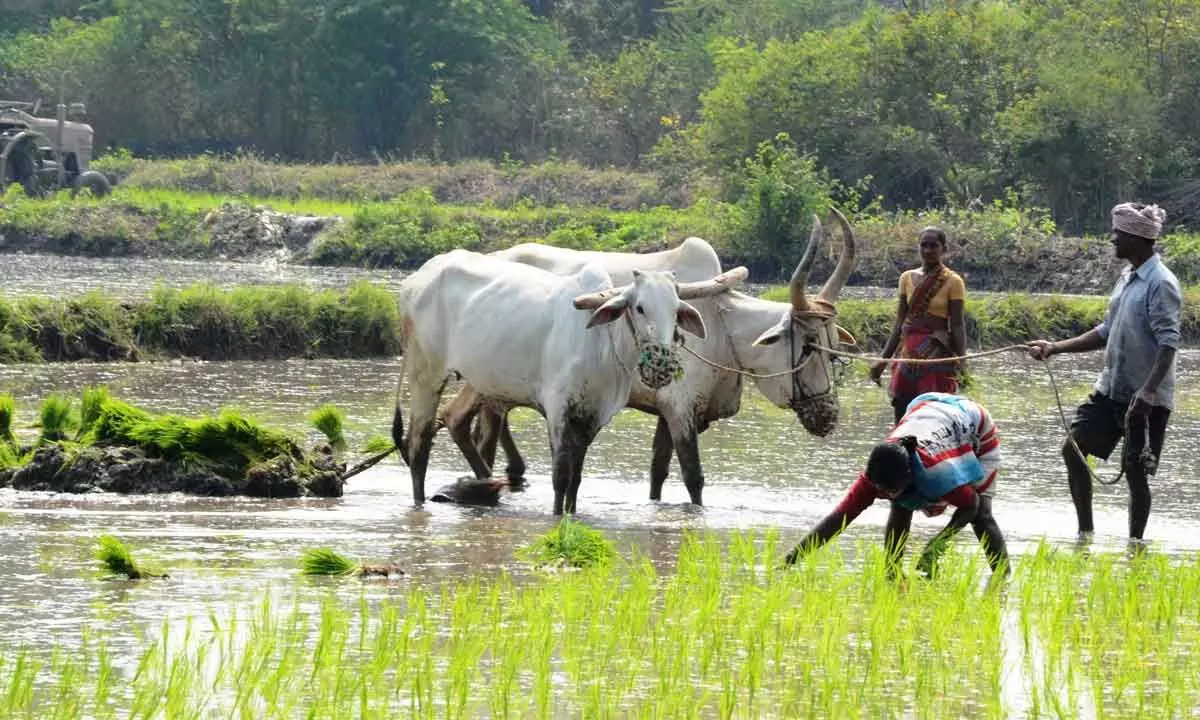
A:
{"x":570,"y":543}
{"x":118,"y":560}
{"x":8,"y":410}
{"x":91,"y":403}
{"x":55,"y":418}
{"x":724,"y":633}
{"x":330,"y":421}
{"x":378,"y":444}
{"x":323,"y":561}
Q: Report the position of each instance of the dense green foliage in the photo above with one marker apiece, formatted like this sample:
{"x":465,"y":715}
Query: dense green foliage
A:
{"x":393,"y":219}
{"x":1072,"y":104}
{"x":204,"y":322}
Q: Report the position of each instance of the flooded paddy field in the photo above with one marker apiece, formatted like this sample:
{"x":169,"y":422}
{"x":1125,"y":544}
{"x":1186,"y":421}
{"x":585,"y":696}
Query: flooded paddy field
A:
{"x":765,"y":476}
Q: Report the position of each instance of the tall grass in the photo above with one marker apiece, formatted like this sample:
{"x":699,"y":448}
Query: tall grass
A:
{"x":727,"y":633}
{"x":205,"y":322}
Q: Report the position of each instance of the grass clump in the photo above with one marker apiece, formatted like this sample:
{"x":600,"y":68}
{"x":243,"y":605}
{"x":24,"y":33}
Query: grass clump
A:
{"x":377,"y":444}
{"x":317,"y":562}
{"x":8,"y":410}
{"x":55,"y":419}
{"x":330,"y":421}
{"x":229,"y":442}
{"x":570,"y":543}
{"x":118,"y":560}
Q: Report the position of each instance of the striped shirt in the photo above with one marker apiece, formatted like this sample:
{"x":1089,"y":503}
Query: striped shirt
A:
{"x":957,"y":448}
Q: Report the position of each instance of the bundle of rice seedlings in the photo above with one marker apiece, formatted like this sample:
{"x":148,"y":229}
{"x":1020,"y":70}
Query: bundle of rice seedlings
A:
{"x":378,"y":444}
{"x":8,"y":410}
{"x":55,"y":418}
{"x":330,"y":421}
{"x":119,"y":561}
{"x":570,"y":543}
{"x":229,"y":442}
{"x":323,"y":561}
{"x":91,"y":403}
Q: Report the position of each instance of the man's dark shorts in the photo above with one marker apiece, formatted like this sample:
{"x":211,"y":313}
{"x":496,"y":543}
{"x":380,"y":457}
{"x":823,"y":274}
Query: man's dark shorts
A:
{"x":1099,"y":425}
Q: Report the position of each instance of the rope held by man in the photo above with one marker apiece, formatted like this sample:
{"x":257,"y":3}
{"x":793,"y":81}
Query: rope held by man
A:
{"x":957,"y":358}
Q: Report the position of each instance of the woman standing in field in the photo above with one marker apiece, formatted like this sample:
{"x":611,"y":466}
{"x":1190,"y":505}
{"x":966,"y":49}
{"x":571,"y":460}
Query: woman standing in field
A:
{"x":929,"y":324}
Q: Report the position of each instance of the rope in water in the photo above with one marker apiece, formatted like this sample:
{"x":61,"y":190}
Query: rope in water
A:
{"x":1062,"y":415}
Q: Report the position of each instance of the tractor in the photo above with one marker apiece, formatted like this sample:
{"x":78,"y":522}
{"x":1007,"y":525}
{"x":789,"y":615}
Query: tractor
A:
{"x":44,"y":154}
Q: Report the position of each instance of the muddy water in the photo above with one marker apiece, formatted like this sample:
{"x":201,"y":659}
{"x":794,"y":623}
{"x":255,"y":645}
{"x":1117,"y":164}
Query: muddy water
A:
{"x":763,"y":471}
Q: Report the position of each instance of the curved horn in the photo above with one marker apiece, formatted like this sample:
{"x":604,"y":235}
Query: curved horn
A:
{"x":719,"y":284}
{"x":845,"y":265}
{"x":591,"y":301}
{"x":799,"y":279}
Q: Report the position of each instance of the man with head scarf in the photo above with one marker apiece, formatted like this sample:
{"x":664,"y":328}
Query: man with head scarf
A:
{"x":1134,"y":394}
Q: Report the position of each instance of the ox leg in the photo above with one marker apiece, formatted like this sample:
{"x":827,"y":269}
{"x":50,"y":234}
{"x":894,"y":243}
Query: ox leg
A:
{"x":568,"y":444}
{"x":687,"y":449}
{"x":516,"y":464}
{"x":457,"y":417}
{"x":585,"y":433}
{"x":422,"y":421}
{"x":660,"y":459}
{"x":484,"y":434}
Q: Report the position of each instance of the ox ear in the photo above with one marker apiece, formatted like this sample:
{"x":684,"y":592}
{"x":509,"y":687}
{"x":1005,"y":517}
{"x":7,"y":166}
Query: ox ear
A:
{"x":774,"y":333}
{"x":845,"y":338}
{"x":609,"y":311}
{"x":688,"y":318}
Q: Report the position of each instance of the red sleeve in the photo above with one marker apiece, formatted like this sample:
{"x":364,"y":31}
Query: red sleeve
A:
{"x":860,"y":497}
{"x":960,"y":497}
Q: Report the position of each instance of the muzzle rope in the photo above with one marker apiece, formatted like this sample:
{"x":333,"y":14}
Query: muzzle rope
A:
{"x":1062,"y":415}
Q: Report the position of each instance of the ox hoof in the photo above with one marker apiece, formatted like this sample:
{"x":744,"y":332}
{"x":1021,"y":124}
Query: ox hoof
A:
{"x":517,"y":482}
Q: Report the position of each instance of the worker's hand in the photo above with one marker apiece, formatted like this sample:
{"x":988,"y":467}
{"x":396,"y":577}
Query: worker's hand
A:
{"x":1141,"y":403}
{"x":1040,"y":349}
{"x":876,"y":372}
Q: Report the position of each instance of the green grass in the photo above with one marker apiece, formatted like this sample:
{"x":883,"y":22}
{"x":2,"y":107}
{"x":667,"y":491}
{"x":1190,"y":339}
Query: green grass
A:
{"x":8,"y":410}
{"x":117,"y":559}
{"x":55,"y":418}
{"x":202,"y":321}
{"x":317,"y":562}
{"x":330,"y":421}
{"x":724,"y":633}
{"x":376,"y":444}
{"x":228,"y":442}
{"x":323,"y":561}
{"x":571,"y":543}
{"x":402,"y":214}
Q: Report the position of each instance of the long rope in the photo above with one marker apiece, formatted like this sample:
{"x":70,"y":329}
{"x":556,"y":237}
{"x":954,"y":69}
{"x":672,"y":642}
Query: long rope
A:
{"x":1062,"y":415}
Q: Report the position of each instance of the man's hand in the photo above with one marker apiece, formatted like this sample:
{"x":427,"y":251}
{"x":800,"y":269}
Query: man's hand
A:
{"x":1141,"y":403}
{"x":876,"y":372}
{"x":1040,"y":349}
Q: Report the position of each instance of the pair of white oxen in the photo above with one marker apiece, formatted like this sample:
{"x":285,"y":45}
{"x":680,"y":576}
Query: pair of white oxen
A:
{"x":515,"y":326}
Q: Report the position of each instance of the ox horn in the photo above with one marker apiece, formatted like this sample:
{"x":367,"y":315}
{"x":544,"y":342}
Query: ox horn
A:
{"x":717,"y":285}
{"x":837,"y":281}
{"x":591,"y":301}
{"x":799,"y":279}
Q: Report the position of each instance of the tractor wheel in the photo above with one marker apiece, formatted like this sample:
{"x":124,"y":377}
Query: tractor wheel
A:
{"x":94,"y":182}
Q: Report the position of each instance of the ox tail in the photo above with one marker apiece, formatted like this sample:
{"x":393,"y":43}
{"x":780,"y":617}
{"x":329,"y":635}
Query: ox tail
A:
{"x":398,"y":415}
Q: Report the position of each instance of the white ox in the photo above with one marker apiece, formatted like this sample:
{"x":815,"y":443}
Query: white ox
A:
{"x":513,"y":332}
{"x":744,"y":333}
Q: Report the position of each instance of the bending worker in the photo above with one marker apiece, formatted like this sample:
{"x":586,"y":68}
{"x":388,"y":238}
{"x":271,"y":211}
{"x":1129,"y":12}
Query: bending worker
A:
{"x":943,"y":452}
